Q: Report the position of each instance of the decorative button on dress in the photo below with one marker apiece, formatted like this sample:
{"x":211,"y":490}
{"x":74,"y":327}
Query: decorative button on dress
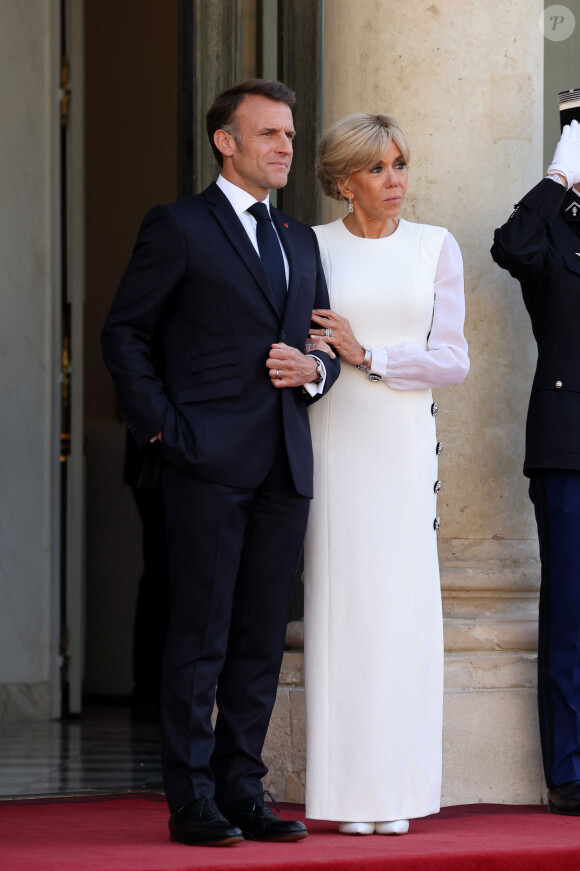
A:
{"x":373,"y":624}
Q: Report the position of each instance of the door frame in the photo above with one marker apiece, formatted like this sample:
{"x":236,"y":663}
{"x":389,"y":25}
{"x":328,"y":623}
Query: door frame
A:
{"x":76,"y":290}
{"x":68,"y":589}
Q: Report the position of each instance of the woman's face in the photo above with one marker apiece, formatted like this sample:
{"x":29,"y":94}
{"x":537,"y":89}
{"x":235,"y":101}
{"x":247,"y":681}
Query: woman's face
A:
{"x":379,"y":190}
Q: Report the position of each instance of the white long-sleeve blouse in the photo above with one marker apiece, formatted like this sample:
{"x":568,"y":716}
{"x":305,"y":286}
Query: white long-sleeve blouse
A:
{"x":408,"y":366}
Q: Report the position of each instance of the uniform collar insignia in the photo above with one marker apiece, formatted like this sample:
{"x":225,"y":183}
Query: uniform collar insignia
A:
{"x":572,"y":211}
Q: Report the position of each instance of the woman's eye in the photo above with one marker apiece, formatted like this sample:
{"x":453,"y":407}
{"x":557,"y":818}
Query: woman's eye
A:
{"x":376,"y":169}
{"x":401,"y":165}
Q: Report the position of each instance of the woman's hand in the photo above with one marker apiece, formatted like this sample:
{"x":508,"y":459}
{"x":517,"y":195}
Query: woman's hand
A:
{"x":341,"y":336}
{"x":317,"y":343}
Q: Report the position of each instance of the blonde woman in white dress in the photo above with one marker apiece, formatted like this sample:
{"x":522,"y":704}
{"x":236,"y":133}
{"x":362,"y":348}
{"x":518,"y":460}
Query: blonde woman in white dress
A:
{"x":373,"y":623}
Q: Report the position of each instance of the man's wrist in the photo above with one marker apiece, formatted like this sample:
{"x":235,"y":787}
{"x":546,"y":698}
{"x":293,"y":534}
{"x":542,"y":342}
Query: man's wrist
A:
{"x":555,"y":171}
{"x":557,"y":177}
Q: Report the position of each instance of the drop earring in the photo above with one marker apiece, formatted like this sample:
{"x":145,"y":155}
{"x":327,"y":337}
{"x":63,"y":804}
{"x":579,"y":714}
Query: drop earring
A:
{"x":350,"y":206}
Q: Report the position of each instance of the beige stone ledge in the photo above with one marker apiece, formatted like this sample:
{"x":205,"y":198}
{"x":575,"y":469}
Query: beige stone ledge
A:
{"x":488,"y":551}
{"x":478,"y":631}
{"x":492,"y":604}
{"x":25,"y":701}
{"x":491,"y":748}
{"x":500,"y":635}
{"x":463,"y":670}
{"x":292,"y":671}
{"x":295,"y":635}
{"x":490,"y":620}
{"x":520,"y":578}
{"x":490,"y":671}
{"x":285,"y":747}
{"x":489,"y":564}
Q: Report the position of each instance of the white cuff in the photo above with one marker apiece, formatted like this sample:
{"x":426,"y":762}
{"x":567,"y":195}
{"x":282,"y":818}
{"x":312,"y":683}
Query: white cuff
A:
{"x":567,"y":175}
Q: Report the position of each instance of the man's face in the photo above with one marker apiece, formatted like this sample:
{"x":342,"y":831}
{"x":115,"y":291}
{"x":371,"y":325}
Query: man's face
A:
{"x":261,"y":158}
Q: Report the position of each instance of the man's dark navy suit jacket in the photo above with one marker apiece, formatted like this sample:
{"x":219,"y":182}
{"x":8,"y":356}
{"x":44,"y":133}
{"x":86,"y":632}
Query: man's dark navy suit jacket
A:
{"x":195,"y":289}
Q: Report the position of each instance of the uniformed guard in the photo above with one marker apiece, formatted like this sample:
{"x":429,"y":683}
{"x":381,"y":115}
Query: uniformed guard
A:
{"x":540,"y":246}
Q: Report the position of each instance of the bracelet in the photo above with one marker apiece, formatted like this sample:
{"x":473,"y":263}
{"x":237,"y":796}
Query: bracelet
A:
{"x":366,"y":363}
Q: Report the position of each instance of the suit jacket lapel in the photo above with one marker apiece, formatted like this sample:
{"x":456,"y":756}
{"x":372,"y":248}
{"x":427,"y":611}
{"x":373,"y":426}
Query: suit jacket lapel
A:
{"x":220,"y":206}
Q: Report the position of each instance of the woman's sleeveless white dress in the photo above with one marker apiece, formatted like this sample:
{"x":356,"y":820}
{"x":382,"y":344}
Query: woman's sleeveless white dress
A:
{"x":373,"y":622}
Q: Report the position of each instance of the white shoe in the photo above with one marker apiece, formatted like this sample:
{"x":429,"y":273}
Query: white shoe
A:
{"x":356,"y":828}
{"x":392,"y":827}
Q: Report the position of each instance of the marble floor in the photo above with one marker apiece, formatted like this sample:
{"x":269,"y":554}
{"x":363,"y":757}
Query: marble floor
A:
{"x":101,"y":751}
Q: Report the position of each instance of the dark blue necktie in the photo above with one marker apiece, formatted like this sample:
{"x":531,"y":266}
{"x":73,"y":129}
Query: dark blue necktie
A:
{"x":270,"y":254}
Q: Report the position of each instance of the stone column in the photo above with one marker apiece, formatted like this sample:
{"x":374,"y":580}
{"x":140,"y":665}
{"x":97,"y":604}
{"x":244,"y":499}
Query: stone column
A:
{"x":466,"y":85}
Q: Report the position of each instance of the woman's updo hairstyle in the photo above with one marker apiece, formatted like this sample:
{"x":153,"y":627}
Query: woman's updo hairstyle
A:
{"x":351,"y":144}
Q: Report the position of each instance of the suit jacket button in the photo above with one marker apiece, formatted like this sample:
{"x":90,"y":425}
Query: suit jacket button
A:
{"x":436,"y":523}
{"x":282,"y":336}
{"x":434,"y":409}
{"x":558,"y":384}
{"x":439,"y":448}
{"x":437,"y":486}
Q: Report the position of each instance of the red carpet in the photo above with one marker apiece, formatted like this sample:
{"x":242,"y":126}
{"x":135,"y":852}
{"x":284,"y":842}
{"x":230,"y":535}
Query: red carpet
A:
{"x":129,"y":833}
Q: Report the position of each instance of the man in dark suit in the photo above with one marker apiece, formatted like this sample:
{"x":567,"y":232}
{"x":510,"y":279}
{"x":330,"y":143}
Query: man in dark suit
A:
{"x":227,"y":284}
{"x":540,"y":246}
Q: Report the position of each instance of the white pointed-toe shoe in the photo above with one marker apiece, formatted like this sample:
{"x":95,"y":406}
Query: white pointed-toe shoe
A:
{"x":356,"y":828}
{"x":392,"y":827}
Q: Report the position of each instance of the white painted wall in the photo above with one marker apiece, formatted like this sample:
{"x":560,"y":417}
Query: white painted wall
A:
{"x":28,"y":351}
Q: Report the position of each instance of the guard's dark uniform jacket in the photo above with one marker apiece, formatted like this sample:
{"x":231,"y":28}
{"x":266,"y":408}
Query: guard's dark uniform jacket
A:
{"x":540,"y":246}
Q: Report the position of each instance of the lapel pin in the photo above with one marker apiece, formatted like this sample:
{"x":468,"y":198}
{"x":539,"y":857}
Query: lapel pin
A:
{"x":285,"y":224}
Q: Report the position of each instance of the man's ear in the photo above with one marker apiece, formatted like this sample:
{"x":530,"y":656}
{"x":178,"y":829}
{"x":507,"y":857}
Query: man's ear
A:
{"x":224,"y":142}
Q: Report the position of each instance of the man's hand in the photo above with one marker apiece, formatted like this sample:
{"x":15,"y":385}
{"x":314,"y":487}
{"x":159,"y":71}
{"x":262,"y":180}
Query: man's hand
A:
{"x":288,"y":367}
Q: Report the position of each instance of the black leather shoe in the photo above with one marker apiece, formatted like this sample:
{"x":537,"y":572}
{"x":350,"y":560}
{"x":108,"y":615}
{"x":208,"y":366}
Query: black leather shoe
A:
{"x":565,"y":799}
{"x":258,"y":823}
{"x":200,"y":823}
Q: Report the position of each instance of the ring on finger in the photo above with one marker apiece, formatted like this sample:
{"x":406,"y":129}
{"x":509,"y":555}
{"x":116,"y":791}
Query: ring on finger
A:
{"x":277,"y":373}
{"x":328,"y":332}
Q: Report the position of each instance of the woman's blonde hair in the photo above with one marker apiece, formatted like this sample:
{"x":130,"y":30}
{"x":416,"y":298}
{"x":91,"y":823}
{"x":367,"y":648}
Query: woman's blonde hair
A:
{"x":351,"y":144}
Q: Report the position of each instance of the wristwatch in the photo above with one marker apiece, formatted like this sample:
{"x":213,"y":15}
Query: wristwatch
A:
{"x":366,"y":363}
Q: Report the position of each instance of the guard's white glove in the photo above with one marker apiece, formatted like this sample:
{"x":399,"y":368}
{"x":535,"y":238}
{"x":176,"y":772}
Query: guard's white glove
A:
{"x":566,"y":158}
